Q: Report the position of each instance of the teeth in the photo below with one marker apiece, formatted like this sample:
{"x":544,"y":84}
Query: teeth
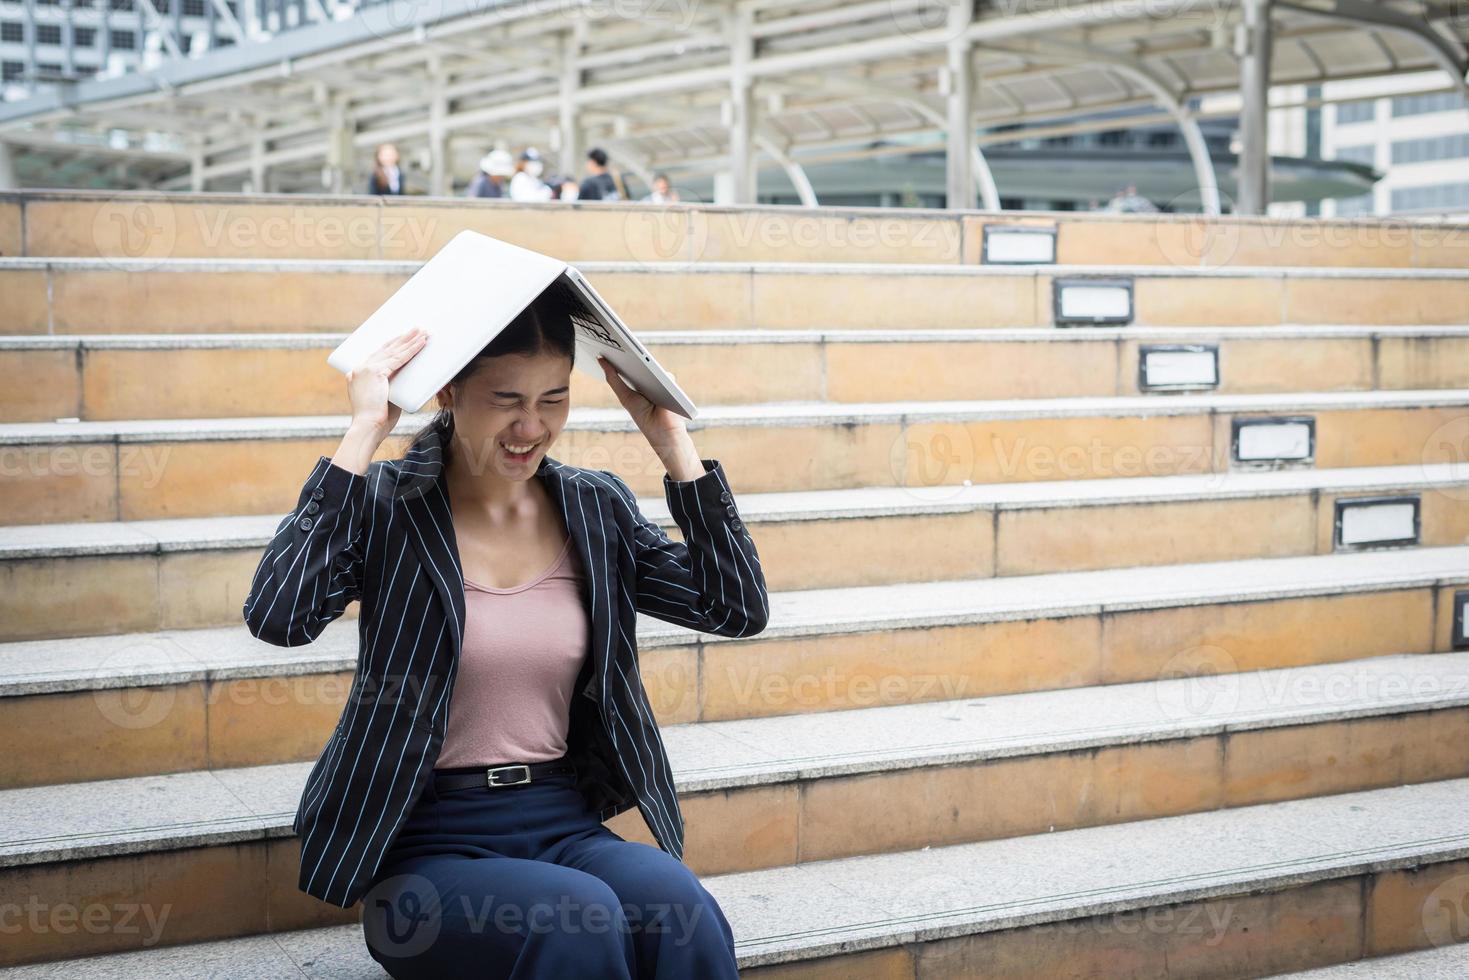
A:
{"x":518,"y":450}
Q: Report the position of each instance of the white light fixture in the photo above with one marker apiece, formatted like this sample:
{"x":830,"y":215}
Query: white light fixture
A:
{"x":1091,"y":301}
{"x":1019,"y":245}
{"x":1376,"y":522}
{"x":1273,"y":442}
{"x":1173,"y":367}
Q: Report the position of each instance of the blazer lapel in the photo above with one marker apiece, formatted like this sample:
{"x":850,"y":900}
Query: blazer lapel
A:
{"x":426,"y":506}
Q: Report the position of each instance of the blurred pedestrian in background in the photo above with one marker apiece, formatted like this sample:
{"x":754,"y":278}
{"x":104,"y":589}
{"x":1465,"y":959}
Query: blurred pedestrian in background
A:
{"x":598,"y":185}
{"x":495,"y":170}
{"x":527,"y":185}
{"x":386,"y":177}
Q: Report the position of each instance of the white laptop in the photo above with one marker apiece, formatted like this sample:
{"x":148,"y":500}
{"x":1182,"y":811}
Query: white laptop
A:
{"x":470,"y":291}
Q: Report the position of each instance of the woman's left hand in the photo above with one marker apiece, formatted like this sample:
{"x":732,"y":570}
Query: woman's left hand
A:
{"x":661,"y":426}
{"x":666,"y":431}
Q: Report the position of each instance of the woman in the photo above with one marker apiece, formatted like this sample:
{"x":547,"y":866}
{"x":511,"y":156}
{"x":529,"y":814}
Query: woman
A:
{"x":386,"y":177}
{"x":497,"y":715}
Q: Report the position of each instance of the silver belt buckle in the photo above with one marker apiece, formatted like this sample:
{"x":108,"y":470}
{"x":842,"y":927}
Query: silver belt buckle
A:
{"x":490,"y":775}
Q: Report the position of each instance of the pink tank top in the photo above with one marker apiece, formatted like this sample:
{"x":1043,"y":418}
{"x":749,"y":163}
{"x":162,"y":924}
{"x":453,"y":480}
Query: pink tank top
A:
{"x":523,"y":648}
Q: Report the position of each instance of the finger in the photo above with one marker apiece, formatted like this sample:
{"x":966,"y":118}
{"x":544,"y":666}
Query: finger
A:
{"x":401,"y":358}
{"x":406,"y":337}
{"x":394,"y":355}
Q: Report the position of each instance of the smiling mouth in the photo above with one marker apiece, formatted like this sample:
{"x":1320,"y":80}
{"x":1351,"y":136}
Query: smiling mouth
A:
{"x":524,"y":450}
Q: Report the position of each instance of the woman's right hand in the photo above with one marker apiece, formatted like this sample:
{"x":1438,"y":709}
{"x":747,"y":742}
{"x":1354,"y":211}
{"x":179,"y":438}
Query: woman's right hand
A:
{"x":367,"y":384}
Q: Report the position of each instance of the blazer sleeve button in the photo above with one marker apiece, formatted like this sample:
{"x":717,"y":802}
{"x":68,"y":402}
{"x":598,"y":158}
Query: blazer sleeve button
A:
{"x":305,"y":523}
{"x":318,"y":493}
{"x":313,"y":507}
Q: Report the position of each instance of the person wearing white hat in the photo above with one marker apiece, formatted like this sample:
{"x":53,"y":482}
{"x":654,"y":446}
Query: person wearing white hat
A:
{"x":527,"y":185}
{"x":494,"y":168}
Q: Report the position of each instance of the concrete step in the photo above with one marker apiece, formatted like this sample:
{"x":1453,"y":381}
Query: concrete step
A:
{"x":168,"y":468}
{"x":173,"y":295}
{"x":221,"y":375}
{"x":87,"y":578}
{"x":81,"y":223}
{"x":1439,"y":962}
{"x":138,"y":703}
{"x":1243,"y":891}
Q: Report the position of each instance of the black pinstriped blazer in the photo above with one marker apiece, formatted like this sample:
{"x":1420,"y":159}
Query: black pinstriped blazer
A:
{"x":387,"y":539}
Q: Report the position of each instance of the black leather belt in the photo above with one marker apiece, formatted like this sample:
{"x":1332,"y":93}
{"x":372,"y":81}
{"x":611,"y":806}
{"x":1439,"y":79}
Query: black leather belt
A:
{"x":516,"y":774}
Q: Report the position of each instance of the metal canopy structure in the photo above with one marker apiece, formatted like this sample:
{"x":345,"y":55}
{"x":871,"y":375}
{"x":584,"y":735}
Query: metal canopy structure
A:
{"x":704,"y":87}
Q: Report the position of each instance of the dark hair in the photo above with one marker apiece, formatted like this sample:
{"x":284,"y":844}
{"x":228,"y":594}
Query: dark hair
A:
{"x":543,"y":327}
{"x":598,"y":156}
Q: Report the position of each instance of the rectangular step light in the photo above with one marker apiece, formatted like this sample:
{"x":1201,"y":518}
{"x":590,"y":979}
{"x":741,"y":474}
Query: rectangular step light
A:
{"x":1019,"y":245}
{"x":1270,"y":442}
{"x":1172,"y":367}
{"x":1376,"y":522}
{"x":1460,"y":639}
{"x":1091,"y":301}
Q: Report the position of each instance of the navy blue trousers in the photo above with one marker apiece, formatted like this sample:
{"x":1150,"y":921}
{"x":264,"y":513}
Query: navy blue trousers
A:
{"x":524,"y":882}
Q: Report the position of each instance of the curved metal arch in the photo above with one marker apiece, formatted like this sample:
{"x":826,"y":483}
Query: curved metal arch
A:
{"x":1188,"y":126}
{"x":1452,"y":56}
{"x":984,"y":177}
{"x":796,"y":173}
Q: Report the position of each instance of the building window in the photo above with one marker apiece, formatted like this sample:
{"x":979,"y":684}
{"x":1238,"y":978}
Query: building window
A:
{"x":1363,"y":153}
{"x":1352,"y":207}
{"x":1362,"y":110}
{"x":1427,"y":150}
{"x":120,"y":4}
{"x":193,"y":8}
{"x":123,"y":40}
{"x":12,"y":71}
{"x":84,"y":37}
{"x":48,"y":33}
{"x":1435,"y":197}
{"x":13,"y":31}
{"x":1419,"y":105}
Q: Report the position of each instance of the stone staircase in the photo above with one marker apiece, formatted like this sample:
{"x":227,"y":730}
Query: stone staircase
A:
{"x":1128,"y":647}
